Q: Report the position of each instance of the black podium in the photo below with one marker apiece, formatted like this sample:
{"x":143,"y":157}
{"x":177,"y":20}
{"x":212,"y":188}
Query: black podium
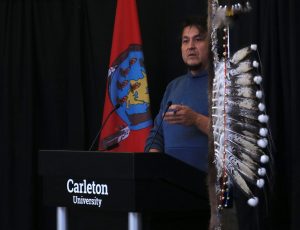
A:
{"x":129,"y":182}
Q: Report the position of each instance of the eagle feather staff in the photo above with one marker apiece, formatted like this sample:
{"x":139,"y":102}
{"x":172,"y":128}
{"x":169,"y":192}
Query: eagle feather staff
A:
{"x":240,"y":138}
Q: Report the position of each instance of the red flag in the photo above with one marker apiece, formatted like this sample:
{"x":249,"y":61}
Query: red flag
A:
{"x":129,"y":126}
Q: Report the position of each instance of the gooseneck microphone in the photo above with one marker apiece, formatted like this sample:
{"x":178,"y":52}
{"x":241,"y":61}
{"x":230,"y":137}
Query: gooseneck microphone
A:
{"x":101,"y":128}
{"x":160,"y":124}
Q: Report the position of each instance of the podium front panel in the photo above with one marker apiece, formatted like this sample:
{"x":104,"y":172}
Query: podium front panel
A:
{"x":131,"y":182}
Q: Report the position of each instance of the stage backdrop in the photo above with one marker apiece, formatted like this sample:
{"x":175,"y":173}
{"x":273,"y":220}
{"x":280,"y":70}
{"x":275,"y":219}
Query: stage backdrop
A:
{"x":54,"y":57}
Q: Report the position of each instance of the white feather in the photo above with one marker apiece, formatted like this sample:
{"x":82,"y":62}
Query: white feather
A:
{"x":243,"y":67}
{"x":240,"y":55}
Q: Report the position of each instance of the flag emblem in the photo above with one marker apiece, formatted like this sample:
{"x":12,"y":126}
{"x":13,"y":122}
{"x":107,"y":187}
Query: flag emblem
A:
{"x":128,"y":87}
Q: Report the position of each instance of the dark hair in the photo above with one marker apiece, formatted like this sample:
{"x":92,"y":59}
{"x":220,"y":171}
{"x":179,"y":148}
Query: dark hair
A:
{"x":199,"y":22}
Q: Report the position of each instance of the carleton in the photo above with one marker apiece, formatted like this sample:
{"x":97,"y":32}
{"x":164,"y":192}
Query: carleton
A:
{"x":87,"y":188}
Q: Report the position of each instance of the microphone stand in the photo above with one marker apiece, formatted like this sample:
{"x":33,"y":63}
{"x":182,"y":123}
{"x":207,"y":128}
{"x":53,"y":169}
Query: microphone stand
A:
{"x":100,"y":130}
{"x":160,"y":124}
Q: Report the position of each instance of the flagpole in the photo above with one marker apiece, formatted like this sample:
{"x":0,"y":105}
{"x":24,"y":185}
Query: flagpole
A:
{"x":134,"y":221}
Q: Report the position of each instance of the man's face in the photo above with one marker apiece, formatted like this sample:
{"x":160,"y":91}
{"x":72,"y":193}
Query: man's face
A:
{"x":194,"y":48}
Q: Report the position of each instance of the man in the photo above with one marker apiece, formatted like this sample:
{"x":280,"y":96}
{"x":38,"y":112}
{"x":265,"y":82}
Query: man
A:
{"x":184,"y":130}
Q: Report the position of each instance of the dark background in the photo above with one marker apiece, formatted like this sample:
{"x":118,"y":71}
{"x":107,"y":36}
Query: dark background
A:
{"x":54,"y":58}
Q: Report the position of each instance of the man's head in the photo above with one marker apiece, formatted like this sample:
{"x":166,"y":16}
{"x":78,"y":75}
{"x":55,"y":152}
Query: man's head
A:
{"x":194,"y":45}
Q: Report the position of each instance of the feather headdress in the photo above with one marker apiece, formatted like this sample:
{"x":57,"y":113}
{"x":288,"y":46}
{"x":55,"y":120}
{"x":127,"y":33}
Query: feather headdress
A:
{"x":239,"y":119}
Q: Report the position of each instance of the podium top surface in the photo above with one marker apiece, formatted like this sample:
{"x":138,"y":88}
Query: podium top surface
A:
{"x":112,"y":164}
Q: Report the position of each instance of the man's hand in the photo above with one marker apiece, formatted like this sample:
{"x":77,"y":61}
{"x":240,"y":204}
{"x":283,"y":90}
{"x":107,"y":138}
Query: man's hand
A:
{"x":184,"y":115}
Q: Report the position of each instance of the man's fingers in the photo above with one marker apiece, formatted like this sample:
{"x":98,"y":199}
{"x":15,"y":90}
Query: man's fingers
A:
{"x":173,"y":118}
{"x":178,"y":114}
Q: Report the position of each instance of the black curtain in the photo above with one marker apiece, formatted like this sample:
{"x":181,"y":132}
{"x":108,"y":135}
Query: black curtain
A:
{"x":54,"y":58}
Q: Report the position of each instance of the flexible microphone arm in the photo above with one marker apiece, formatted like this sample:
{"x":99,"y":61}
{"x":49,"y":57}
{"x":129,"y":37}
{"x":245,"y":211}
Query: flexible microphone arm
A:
{"x":160,"y":124}
{"x":100,"y":130}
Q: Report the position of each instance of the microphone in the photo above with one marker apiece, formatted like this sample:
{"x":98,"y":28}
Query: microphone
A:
{"x":160,"y":124}
{"x":100,"y":130}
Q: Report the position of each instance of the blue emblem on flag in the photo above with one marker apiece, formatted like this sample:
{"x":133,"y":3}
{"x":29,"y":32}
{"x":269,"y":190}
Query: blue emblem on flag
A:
{"x":128,"y":87}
